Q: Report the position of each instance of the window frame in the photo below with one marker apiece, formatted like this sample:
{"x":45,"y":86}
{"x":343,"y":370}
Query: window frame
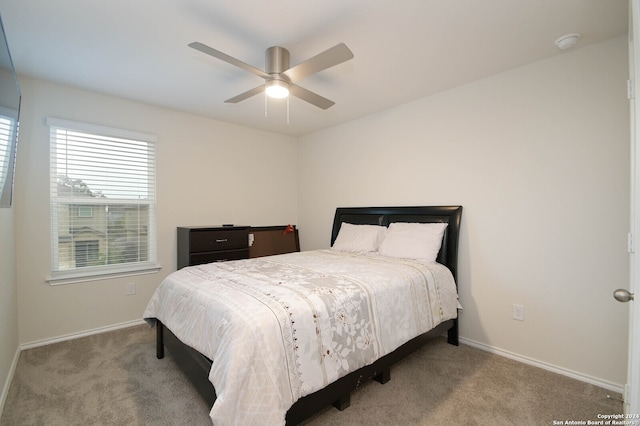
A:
{"x":91,"y":273}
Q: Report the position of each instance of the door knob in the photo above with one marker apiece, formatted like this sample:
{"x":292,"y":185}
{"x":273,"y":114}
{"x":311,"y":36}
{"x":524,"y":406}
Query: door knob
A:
{"x":622,"y":295}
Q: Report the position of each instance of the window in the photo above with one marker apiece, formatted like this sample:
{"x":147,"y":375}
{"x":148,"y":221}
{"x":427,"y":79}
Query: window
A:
{"x":10,"y":112}
{"x":86,"y":253}
{"x":6,"y":126}
{"x":8,"y":136}
{"x":103,"y":213}
{"x":85,"y":211}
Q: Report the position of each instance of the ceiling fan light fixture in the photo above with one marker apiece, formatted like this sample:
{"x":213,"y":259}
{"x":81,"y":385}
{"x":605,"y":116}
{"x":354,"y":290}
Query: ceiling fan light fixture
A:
{"x":277,"y":89}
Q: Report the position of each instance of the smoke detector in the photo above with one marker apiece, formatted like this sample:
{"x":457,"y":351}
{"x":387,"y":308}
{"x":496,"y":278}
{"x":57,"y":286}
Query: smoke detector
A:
{"x":567,"y":41}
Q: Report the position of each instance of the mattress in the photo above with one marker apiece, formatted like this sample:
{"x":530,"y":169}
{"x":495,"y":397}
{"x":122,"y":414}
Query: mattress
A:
{"x":281,"y":327}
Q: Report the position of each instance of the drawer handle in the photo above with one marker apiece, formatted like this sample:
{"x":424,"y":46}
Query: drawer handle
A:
{"x":221,"y":240}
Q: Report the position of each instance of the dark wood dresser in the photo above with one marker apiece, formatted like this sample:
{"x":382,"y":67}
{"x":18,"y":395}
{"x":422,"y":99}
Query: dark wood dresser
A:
{"x":272,"y":240}
{"x":197,"y":245}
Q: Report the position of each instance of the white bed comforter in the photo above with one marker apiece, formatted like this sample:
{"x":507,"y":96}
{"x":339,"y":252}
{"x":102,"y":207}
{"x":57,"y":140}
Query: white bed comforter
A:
{"x":281,"y":327}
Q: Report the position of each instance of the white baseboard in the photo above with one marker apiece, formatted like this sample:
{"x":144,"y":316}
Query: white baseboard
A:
{"x":72,"y":336}
{"x":7,"y":382}
{"x":614,"y":387}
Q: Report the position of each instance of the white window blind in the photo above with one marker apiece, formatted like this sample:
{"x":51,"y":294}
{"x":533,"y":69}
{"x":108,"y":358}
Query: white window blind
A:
{"x":5,"y":134}
{"x":8,"y":129}
{"x":103,"y":213}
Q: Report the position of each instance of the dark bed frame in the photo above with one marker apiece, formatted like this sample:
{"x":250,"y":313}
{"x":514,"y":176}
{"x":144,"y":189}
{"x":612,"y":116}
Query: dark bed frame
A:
{"x":196,"y":366}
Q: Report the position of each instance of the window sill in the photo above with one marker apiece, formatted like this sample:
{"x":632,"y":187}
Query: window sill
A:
{"x":72,"y":277}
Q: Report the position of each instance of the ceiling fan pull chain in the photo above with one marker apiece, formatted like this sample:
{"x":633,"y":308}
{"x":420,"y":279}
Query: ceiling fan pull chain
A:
{"x":288,"y":109}
{"x":265,"y":105}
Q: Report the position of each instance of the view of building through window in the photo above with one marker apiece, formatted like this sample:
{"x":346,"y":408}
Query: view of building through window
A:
{"x":103,"y":200}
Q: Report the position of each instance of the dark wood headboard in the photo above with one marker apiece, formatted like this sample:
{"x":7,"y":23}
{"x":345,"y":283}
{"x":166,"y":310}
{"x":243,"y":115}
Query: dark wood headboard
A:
{"x":427,"y":214}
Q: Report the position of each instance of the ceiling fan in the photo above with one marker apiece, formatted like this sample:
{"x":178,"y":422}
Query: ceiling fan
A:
{"x":279,"y":77}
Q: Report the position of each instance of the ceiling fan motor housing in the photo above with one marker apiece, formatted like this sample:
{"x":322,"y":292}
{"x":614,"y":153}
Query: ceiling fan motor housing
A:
{"x":277,"y":62}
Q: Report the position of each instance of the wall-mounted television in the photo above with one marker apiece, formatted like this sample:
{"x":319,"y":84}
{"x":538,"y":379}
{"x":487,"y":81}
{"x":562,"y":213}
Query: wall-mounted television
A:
{"x":9,"y":119}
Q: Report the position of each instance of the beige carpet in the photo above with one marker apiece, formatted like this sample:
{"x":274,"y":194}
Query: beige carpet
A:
{"x":115,"y":379}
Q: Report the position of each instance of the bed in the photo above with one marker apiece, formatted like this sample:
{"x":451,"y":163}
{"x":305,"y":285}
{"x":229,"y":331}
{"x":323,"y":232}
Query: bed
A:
{"x":308,"y":328}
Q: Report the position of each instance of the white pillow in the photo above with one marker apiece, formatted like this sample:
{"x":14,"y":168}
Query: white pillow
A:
{"x":420,"y":241}
{"x":359,"y":238}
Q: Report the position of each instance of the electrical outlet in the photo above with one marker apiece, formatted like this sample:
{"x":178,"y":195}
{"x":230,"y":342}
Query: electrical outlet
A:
{"x":518,"y":312}
{"x":131,"y":289}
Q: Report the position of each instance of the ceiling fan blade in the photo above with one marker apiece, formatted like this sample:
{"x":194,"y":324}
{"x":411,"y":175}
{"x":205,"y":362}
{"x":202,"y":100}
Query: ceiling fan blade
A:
{"x":309,"y":96}
{"x":327,"y":59}
{"x":246,"y":95}
{"x":229,"y":59}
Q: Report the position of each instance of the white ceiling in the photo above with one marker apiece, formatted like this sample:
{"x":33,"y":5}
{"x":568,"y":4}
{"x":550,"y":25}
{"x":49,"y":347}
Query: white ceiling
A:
{"x":404,"y":49}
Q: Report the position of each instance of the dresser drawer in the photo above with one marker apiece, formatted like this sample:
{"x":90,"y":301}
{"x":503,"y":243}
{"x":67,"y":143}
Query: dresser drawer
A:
{"x":214,"y":240}
{"x":199,"y":244}
{"x":218,"y":256}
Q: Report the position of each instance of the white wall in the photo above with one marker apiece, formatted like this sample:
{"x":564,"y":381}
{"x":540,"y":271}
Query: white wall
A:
{"x":8,"y":302}
{"x":539,"y":158}
{"x":209,"y":173}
